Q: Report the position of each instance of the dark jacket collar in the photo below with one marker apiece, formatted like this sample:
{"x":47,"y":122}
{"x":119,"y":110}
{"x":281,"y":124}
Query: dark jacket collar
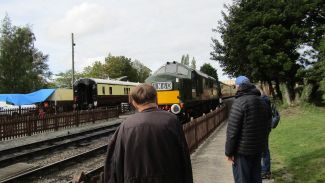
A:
{"x":248,"y":90}
{"x":151,"y":109}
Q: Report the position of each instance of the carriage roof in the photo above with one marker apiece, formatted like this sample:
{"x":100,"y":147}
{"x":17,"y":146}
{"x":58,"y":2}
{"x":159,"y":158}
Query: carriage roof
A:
{"x":87,"y":81}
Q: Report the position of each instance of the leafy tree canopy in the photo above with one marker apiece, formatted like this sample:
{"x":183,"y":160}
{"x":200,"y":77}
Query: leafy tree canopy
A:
{"x":142,"y":71}
{"x":116,"y":67}
{"x":64,"y":79}
{"x":97,"y":70}
{"x":209,"y":70}
{"x":185,"y":59}
{"x":261,"y":39}
{"x":23,"y":67}
{"x":193,"y":63}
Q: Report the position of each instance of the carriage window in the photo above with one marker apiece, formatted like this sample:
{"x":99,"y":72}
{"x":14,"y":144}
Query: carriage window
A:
{"x":110,"y":90}
{"x":182,"y":70}
{"x":171,"y":68}
{"x":126,"y":91}
{"x":103,"y":90}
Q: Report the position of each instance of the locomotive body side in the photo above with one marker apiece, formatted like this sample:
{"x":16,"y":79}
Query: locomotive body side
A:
{"x":184,"y":91}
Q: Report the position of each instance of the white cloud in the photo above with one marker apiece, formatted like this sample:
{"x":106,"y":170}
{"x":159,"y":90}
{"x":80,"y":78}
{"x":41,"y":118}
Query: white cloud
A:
{"x":152,"y":32}
{"x":84,"y":62}
{"x":83,"y":19}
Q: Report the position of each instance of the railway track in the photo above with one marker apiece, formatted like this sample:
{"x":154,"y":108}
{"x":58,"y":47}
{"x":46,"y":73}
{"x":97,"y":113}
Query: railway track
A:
{"x":29,"y":151}
{"x":57,"y":166}
{"x":93,"y":175}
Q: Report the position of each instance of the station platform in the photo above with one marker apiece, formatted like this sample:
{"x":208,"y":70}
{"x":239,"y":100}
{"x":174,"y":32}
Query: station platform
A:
{"x":209,"y":162}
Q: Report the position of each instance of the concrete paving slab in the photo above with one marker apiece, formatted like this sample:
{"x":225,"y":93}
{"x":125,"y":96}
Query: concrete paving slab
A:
{"x":209,"y":163}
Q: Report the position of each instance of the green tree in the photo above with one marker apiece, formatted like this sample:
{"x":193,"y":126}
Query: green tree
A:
{"x":23,"y":67}
{"x":315,"y":76}
{"x":64,"y":79}
{"x":183,"y":59}
{"x":187,"y":60}
{"x":209,"y":70}
{"x":261,"y":39}
{"x":97,"y":70}
{"x":314,"y":37}
{"x":193,"y":63}
{"x":313,"y":23}
{"x":118,"y":66}
{"x":142,"y":71}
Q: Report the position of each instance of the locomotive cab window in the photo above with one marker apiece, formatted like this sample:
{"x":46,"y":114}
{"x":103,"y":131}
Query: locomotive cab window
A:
{"x":182,"y":70}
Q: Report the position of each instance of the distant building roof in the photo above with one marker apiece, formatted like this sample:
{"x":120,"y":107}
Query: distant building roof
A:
{"x":87,"y":81}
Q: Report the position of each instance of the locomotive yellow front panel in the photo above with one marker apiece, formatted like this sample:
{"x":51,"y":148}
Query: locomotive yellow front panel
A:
{"x":168,"y":97}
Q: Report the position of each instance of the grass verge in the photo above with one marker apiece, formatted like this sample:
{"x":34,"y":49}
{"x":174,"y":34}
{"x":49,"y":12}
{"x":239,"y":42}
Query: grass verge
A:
{"x":297,"y":146}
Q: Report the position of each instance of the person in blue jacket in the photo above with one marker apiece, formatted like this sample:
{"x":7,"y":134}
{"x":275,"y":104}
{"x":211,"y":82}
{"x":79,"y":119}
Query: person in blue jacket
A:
{"x":266,"y":157}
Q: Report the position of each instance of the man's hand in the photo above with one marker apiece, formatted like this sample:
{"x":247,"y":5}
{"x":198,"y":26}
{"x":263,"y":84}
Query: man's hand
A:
{"x":230,"y":159}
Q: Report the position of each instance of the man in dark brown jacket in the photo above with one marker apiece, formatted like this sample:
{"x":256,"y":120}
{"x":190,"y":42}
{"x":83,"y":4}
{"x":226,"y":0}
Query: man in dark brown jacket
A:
{"x":149,"y":147}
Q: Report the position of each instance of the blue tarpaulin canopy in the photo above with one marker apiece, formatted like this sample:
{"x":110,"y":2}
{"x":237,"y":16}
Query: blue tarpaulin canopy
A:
{"x":27,"y":99}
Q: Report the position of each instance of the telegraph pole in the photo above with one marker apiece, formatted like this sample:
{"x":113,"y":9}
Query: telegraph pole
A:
{"x":73,"y":44}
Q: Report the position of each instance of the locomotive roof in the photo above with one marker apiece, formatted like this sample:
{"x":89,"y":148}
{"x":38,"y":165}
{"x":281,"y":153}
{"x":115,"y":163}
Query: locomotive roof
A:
{"x":107,"y":81}
{"x":188,"y":68}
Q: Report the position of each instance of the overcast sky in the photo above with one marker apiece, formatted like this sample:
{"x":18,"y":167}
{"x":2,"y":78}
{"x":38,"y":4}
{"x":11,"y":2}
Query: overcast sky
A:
{"x":150,"y":31}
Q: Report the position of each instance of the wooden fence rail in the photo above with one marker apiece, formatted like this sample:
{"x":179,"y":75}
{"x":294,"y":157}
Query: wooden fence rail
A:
{"x":196,"y":131}
{"x":26,"y":125}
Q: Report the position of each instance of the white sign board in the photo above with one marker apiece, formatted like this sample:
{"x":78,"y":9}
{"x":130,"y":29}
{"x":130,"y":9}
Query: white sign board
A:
{"x":163,"y":85}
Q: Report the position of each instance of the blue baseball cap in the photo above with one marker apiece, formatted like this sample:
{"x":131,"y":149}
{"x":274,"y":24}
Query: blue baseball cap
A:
{"x":242,"y":80}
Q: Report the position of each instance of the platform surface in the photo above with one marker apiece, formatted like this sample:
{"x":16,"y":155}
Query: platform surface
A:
{"x":209,"y":162}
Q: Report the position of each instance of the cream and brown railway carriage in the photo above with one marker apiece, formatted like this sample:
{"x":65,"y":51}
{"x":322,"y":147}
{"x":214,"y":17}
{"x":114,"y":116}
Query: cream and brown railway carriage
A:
{"x":61,"y":100}
{"x":92,"y":92}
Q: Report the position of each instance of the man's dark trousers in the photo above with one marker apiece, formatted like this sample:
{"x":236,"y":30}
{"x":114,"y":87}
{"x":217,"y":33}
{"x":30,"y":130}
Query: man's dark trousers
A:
{"x":247,"y":169}
{"x":266,"y":160}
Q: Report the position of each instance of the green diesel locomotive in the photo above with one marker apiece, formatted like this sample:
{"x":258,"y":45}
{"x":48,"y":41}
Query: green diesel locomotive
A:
{"x":184,"y":91}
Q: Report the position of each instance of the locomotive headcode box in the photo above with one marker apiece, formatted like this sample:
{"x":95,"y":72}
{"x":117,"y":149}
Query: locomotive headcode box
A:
{"x":163,"y":85}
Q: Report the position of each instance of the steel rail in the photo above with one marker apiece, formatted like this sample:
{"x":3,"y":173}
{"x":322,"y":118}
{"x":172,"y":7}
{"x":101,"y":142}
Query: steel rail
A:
{"x":48,"y":169}
{"x":16,"y":154}
{"x":14,"y":157}
{"x":52,"y":140}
